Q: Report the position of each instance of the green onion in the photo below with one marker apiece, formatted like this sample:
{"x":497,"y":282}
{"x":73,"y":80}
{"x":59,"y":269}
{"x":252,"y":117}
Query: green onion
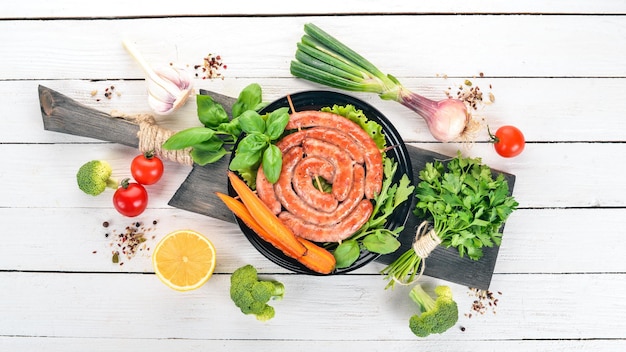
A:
{"x":322,"y":59}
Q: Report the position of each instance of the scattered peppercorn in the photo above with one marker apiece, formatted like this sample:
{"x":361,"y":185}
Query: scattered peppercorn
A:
{"x":484,"y":301}
{"x":133,"y":240}
{"x":108,"y":92}
{"x":471,"y":95}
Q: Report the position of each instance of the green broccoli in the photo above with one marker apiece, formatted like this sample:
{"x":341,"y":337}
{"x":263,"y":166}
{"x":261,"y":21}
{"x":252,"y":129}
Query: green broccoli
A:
{"x":437,"y":316}
{"x":95,"y":176}
{"x":251,"y":294}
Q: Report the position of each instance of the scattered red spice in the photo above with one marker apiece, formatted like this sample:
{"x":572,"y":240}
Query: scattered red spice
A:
{"x":132,"y":240}
{"x":210,"y":67}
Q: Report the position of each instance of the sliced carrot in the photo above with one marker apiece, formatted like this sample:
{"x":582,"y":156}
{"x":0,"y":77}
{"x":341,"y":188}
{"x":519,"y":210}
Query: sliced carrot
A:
{"x":267,"y":220}
{"x":317,"y":258}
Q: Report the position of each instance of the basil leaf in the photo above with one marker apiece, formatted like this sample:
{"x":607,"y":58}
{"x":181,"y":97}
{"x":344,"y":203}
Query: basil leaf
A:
{"x":205,"y":156}
{"x":188,"y":137}
{"x":232,"y":128}
{"x":381,"y":242}
{"x":245,"y":160}
{"x":213,"y":144}
{"x":276,"y":122}
{"x":346,"y":253}
{"x":251,"y":122}
{"x":249,"y":98}
{"x":210,"y":113}
{"x":272,"y":163}
{"x":252,"y":143}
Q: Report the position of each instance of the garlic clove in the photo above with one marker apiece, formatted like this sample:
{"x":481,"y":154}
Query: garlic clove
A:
{"x":180,"y":77}
{"x":168,"y":86}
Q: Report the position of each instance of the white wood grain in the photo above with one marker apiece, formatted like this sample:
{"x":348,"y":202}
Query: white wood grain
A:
{"x":557,"y":71}
{"x":548,"y":46}
{"x":44,"y":344}
{"x":589,"y":112}
{"x":119,"y":8}
{"x":538,"y":241}
{"x":139,"y":306}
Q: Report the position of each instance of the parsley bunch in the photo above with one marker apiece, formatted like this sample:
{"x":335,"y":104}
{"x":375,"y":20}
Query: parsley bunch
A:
{"x":466,"y":206}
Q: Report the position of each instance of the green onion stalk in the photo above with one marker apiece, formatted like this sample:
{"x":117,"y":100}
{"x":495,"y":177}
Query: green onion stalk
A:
{"x":322,"y":59}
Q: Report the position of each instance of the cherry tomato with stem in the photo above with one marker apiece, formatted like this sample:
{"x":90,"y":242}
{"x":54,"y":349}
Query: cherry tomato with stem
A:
{"x":146,"y":168}
{"x":130,"y":199}
{"x":508,"y":141}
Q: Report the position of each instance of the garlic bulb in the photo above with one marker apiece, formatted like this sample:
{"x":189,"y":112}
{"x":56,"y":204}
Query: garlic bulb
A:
{"x":168,"y":86}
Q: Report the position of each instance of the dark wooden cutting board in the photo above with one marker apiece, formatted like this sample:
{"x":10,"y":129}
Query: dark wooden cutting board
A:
{"x":197,"y":192}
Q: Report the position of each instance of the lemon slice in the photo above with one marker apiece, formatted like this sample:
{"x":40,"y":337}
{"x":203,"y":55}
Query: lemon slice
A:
{"x":184,"y":260}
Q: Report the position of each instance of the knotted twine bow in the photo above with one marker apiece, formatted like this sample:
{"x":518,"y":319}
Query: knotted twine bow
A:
{"x":426,"y":240}
{"x":152,"y":136}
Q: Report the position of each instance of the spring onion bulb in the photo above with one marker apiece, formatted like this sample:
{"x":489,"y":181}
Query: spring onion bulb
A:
{"x":322,"y":59}
{"x":168,"y":86}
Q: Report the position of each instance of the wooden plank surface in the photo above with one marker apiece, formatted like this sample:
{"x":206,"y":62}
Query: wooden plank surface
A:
{"x":120,"y":8}
{"x":159,"y":312}
{"x":506,"y":50}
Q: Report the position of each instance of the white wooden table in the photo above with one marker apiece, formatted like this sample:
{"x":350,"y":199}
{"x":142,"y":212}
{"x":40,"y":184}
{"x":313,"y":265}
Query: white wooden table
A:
{"x":556,"y":68}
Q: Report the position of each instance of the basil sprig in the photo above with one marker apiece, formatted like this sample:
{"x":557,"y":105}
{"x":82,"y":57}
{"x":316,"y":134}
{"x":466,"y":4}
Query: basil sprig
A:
{"x":218,"y":135}
{"x":256,"y":148}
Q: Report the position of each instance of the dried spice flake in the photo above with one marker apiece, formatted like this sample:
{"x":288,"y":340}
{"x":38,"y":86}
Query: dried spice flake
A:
{"x":129,"y":242}
{"x":484,"y":301}
{"x":471,"y":95}
{"x":210,"y":67}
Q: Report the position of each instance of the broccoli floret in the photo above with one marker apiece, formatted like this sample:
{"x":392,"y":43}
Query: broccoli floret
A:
{"x":251,"y":294}
{"x":95,"y":176}
{"x":437,"y":315}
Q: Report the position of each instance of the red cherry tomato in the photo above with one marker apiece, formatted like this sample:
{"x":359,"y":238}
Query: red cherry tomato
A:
{"x":130,"y":199}
{"x":508,"y":141}
{"x":146,"y":168}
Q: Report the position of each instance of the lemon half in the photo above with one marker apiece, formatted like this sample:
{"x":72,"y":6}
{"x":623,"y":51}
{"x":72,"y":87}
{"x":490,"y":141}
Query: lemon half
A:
{"x":184,"y":260}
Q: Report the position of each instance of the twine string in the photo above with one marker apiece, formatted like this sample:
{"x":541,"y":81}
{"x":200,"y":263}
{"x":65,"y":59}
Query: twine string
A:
{"x":425,"y":241}
{"x":152,"y":136}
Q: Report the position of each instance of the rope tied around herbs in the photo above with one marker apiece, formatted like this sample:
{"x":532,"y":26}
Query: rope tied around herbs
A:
{"x":152,"y":136}
{"x":425,"y":241}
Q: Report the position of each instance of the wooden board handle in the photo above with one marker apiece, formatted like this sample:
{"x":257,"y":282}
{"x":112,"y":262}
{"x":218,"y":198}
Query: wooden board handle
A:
{"x":63,"y":114}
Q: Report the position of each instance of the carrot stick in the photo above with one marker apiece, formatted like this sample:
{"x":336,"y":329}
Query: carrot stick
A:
{"x":317,"y":258}
{"x":240,"y":210}
{"x":267,"y":220}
